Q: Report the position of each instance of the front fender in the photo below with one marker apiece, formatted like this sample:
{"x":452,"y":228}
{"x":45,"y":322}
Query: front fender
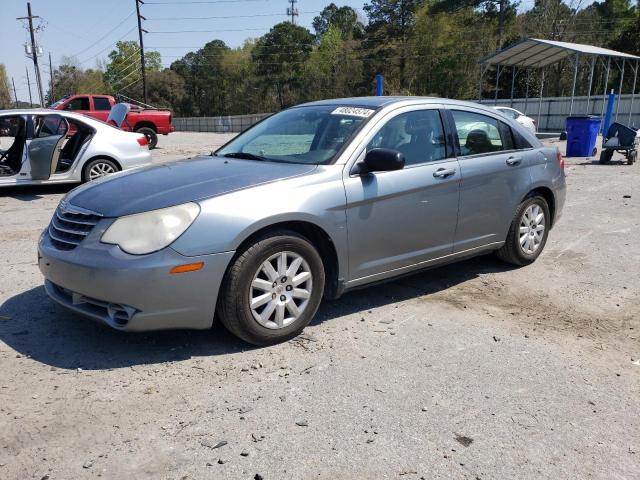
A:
{"x":228,"y":220}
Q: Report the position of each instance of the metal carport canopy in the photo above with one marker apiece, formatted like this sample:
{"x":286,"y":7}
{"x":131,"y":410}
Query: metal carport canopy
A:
{"x":538,"y":53}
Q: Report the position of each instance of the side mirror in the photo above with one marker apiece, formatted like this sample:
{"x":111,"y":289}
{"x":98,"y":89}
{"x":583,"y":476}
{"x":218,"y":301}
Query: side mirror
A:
{"x":379,"y":160}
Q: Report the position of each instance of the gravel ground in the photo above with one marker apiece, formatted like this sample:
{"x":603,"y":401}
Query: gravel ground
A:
{"x":470,"y":371}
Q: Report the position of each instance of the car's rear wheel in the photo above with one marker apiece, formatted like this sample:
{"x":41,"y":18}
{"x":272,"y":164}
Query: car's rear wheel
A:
{"x":152,"y":136}
{"x":528,"y":232}
{"x":98,"y":168}
{"x":272,"y":289}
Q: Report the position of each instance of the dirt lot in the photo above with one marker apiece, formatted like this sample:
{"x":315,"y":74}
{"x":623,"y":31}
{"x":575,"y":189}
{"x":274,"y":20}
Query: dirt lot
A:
{"x":471,"y":371}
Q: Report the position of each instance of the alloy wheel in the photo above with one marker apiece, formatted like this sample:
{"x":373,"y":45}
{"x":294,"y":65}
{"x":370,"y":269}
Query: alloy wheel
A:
{"x":280,"y":290}
{"x":532,"y":227}
{"x":100,"y":170}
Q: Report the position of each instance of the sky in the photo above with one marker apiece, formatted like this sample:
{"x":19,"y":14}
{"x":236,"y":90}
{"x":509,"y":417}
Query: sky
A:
{"x":89,"y":29}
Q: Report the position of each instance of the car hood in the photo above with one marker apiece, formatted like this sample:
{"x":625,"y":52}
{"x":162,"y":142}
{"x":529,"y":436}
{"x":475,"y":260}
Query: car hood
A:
{"x":179,"y":182}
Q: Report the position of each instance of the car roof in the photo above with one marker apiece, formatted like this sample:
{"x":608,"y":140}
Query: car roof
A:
{"x":48,"y":111}
{"x":384,"y":102}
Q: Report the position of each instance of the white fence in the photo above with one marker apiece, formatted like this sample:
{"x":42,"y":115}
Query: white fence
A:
{"x":227,"y":124}
{"x":552,"y":112}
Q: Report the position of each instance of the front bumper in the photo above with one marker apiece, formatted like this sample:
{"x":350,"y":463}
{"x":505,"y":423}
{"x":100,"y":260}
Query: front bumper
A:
{"x":129,"y":292}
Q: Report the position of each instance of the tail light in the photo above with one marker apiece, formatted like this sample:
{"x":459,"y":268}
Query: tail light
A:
{"x":560,"y":159}
{"x":142,"y":141}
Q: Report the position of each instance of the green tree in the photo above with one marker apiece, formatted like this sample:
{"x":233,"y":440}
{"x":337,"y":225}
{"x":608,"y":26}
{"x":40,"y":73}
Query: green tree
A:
{"x":123,"y":74}
{"x":203,"y":75}
{"x":239,"y":79}
{"x":388,"y":34}
{"x":70,"y":80}
{"x":437,"y":64}
{"x":333,"y":69}
{"x":279,"y":57}
{"x":344,"y":18}
{"x":166,"y":89}
{"x":628,"y":40}
{"x":5,"y":91}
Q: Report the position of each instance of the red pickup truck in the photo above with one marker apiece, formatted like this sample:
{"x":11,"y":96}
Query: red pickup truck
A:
{"x":150,"y":122}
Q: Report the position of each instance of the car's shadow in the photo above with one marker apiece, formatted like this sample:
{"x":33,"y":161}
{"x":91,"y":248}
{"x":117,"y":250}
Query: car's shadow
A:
{"x":614,"y":162}
{"x":34,"y":326}
{"x":28,"y":193}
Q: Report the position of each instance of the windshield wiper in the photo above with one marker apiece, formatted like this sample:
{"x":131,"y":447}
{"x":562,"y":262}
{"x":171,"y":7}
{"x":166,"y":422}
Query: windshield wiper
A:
{"x":244,"y":155}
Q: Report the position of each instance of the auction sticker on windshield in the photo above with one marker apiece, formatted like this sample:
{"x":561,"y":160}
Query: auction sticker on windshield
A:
{"x":353,"y":111}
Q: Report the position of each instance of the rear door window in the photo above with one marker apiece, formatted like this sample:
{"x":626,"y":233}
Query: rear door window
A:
{"x":101,"y":103}
{"x":480,"y":134}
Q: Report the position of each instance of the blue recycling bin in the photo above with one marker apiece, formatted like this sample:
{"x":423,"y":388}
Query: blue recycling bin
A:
{"x":582,"y":134}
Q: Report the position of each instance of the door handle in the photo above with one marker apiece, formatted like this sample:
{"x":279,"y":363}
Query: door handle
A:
{"x":511,"y":161}
{"x":444,"y":172}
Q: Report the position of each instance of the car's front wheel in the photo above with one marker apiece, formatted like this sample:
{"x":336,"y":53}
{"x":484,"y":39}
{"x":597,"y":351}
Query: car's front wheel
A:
{"x":528,"y":232}
{"x":272,"y":289}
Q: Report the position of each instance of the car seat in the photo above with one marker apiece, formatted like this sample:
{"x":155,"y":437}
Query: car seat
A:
{"x":12,"y":158}
{"x":426,"y":143}
{"x":478,"y":141}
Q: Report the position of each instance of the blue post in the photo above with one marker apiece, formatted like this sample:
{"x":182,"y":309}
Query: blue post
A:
{"x":379,"y":85}
{"x":607,"y":117}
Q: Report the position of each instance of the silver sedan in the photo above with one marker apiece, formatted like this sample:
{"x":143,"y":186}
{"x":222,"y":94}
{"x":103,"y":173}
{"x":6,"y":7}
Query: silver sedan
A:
{"x":48,"y":146}
{"x":314,"y":201}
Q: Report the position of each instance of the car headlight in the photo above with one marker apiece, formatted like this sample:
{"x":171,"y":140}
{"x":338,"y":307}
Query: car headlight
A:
{"x":148,"y":232}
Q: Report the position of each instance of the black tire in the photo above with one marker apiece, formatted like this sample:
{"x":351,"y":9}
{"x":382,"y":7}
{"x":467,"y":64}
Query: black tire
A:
{"x":632,"y":157}
{"x":152,"y":136}
{"x":511,"y":251}
{"x":86,"y":175}
{"x":233,"y":302}
{"x":605,"y":156}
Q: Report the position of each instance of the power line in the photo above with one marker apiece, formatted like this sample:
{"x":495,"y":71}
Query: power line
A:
{"x":105,"y":35}
{"x":210,"y":2}
{"x":210,"y":31}
{"x":157,"y":19}
{"x":107,"y":47}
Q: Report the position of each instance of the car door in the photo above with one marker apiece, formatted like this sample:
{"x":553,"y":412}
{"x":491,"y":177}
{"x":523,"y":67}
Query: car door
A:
{"x":44,"y":149}
{"x":101,"y":108}
{"x":494,"y":177}
{"x":400,"y":218}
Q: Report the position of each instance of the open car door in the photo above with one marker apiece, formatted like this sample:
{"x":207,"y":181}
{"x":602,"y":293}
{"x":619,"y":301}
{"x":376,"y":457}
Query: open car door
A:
{"x":44,"y":149}
{"x":118,"y":114}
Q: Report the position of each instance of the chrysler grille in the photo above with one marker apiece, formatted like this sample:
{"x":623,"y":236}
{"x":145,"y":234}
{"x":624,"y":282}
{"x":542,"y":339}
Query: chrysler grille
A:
{"x":68,"y":228}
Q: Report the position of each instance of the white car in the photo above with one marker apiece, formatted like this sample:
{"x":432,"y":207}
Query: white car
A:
{"x":39,"y":146}
{"x":527,"y":122}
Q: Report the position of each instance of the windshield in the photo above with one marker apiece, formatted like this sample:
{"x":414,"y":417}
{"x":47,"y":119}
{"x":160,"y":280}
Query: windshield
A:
{"x":310,"y":135}
{"x":58,"y":103}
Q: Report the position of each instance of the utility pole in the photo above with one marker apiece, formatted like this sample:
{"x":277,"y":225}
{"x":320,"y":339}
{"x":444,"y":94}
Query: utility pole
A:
{"x":293,"y":11}
{"x":29,"y":85}
{"x":140,"y":30}
{"x":34,"y":50}
{"x":15,"y":94}
{"x":501,"y":17}
{"x":51,"y":94}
